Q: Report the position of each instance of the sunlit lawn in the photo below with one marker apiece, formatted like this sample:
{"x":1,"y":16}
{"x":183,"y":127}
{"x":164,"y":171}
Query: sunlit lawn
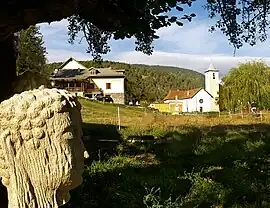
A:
{"x":211,"y":161}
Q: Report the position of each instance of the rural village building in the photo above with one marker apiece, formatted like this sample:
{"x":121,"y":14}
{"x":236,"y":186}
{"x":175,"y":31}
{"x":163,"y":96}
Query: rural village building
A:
{"x":89,"y":82}
{"x":194,"y":100}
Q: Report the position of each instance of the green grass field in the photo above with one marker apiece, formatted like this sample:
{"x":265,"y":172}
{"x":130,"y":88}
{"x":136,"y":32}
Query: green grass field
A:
{"x":209,"y":161}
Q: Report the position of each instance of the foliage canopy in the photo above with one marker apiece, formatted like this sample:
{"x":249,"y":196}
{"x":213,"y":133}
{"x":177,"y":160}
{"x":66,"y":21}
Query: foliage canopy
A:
{"x":243,"y":21}
{"x":31,"y":52}
{"x":99,"y":21}
{"x":249,"y":82}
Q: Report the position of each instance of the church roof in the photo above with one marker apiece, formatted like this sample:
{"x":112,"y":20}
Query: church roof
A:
{"x":211,"y":68}
{"x":181,"y":94}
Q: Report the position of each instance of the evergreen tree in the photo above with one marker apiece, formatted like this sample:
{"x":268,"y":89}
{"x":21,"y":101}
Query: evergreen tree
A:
{"x":31,"y":54}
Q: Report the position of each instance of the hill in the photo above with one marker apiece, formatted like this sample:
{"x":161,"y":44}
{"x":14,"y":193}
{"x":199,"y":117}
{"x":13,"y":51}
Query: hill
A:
{"x":162,"y":68}
{"x":148,"y":83}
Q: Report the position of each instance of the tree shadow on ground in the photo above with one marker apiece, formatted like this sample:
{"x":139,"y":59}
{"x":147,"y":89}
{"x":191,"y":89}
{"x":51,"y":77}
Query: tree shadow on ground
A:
{"x":100,"y":141}
{"x":226,"y":165}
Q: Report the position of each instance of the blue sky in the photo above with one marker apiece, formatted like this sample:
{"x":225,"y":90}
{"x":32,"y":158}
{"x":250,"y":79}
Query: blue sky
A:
{"x":190,"y":46}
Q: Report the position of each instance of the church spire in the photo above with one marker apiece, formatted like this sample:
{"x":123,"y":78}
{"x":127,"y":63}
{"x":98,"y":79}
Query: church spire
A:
{"x":211,"y":68}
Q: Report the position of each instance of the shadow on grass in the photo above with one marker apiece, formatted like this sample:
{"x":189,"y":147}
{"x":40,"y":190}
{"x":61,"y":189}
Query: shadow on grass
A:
{"x":224,"y":165}
{"x":235,"y":158}
{"x":100,"y":140}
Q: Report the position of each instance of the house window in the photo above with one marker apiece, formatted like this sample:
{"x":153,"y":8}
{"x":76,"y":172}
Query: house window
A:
{"x":201,"y":101}
{"x":108,"y":85}
{"x":91,"y":86}
{"x":214,"y":76}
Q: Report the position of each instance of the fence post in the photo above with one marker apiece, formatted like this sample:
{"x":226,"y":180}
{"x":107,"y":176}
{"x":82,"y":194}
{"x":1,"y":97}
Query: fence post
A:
{"x":118,"y":115}
{"x":261,"y":115}
{"x":145,"y":113}
{"x":99,"y":155}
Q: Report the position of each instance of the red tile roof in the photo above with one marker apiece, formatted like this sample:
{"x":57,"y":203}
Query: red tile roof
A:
{"x":181,"y":94}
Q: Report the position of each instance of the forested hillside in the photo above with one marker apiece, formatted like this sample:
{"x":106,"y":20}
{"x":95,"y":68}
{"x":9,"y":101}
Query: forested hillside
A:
{"x":148,"y":83}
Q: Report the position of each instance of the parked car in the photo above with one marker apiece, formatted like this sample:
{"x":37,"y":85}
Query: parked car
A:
{"x":99,"y":97}
{"x":106,"y":98}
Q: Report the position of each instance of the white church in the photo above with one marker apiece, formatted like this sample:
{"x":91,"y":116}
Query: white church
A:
{"x":199,"y":99}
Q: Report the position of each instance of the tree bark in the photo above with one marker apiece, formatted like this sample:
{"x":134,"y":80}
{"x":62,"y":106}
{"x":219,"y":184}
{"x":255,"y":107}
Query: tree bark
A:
{"x":8,"y":67}
{"x":4,"y":196}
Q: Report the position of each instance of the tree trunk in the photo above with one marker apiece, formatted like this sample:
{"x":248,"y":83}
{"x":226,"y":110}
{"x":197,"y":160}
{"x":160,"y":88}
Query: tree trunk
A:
{"x":8,"y":67}
{"x":8,"y":75}
{"x":4,"y":197}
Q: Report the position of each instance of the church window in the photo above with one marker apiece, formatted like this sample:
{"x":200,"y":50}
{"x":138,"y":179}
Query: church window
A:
{"x":214,"y":76}
{"x":201,"y":101}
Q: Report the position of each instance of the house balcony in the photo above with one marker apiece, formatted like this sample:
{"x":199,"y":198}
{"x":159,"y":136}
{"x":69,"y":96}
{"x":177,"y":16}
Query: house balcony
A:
{"x":74,"y":89}
{"x":88,"y":90}
{"x":80,"y":89}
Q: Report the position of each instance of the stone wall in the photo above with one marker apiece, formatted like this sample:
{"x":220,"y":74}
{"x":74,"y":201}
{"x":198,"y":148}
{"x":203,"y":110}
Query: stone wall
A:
{"x":118,"y":98}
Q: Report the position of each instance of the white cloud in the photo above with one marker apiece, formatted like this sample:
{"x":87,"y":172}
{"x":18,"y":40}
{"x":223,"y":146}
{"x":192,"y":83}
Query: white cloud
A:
{"x":193,"y":38}
{"x":191,"y":61}
{"x":54,"y":27}
{"x":58,"y":55}
{"x":191,"y":46}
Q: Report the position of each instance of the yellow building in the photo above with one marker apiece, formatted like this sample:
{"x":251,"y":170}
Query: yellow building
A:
{"x":173,"y":108}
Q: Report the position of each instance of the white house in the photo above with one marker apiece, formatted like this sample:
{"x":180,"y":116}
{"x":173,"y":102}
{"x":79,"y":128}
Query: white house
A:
{"x":89,"y":82}
{"x":199,"y":99}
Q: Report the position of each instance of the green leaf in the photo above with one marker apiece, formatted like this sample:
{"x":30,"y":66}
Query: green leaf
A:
{"x":172,"y":19}
{"x":179,"y":23}
{"x":180,"y":9}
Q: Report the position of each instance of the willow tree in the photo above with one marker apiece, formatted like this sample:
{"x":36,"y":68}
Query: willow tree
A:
{"x":247,"y":83}
{"x":100,"y":20}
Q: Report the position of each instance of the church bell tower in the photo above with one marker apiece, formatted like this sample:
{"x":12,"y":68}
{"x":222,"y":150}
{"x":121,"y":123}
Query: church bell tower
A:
{"x":212,"y":81}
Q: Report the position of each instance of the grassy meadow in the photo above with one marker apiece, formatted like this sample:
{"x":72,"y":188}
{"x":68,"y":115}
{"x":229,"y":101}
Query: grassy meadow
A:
{"x":206,"y":161}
